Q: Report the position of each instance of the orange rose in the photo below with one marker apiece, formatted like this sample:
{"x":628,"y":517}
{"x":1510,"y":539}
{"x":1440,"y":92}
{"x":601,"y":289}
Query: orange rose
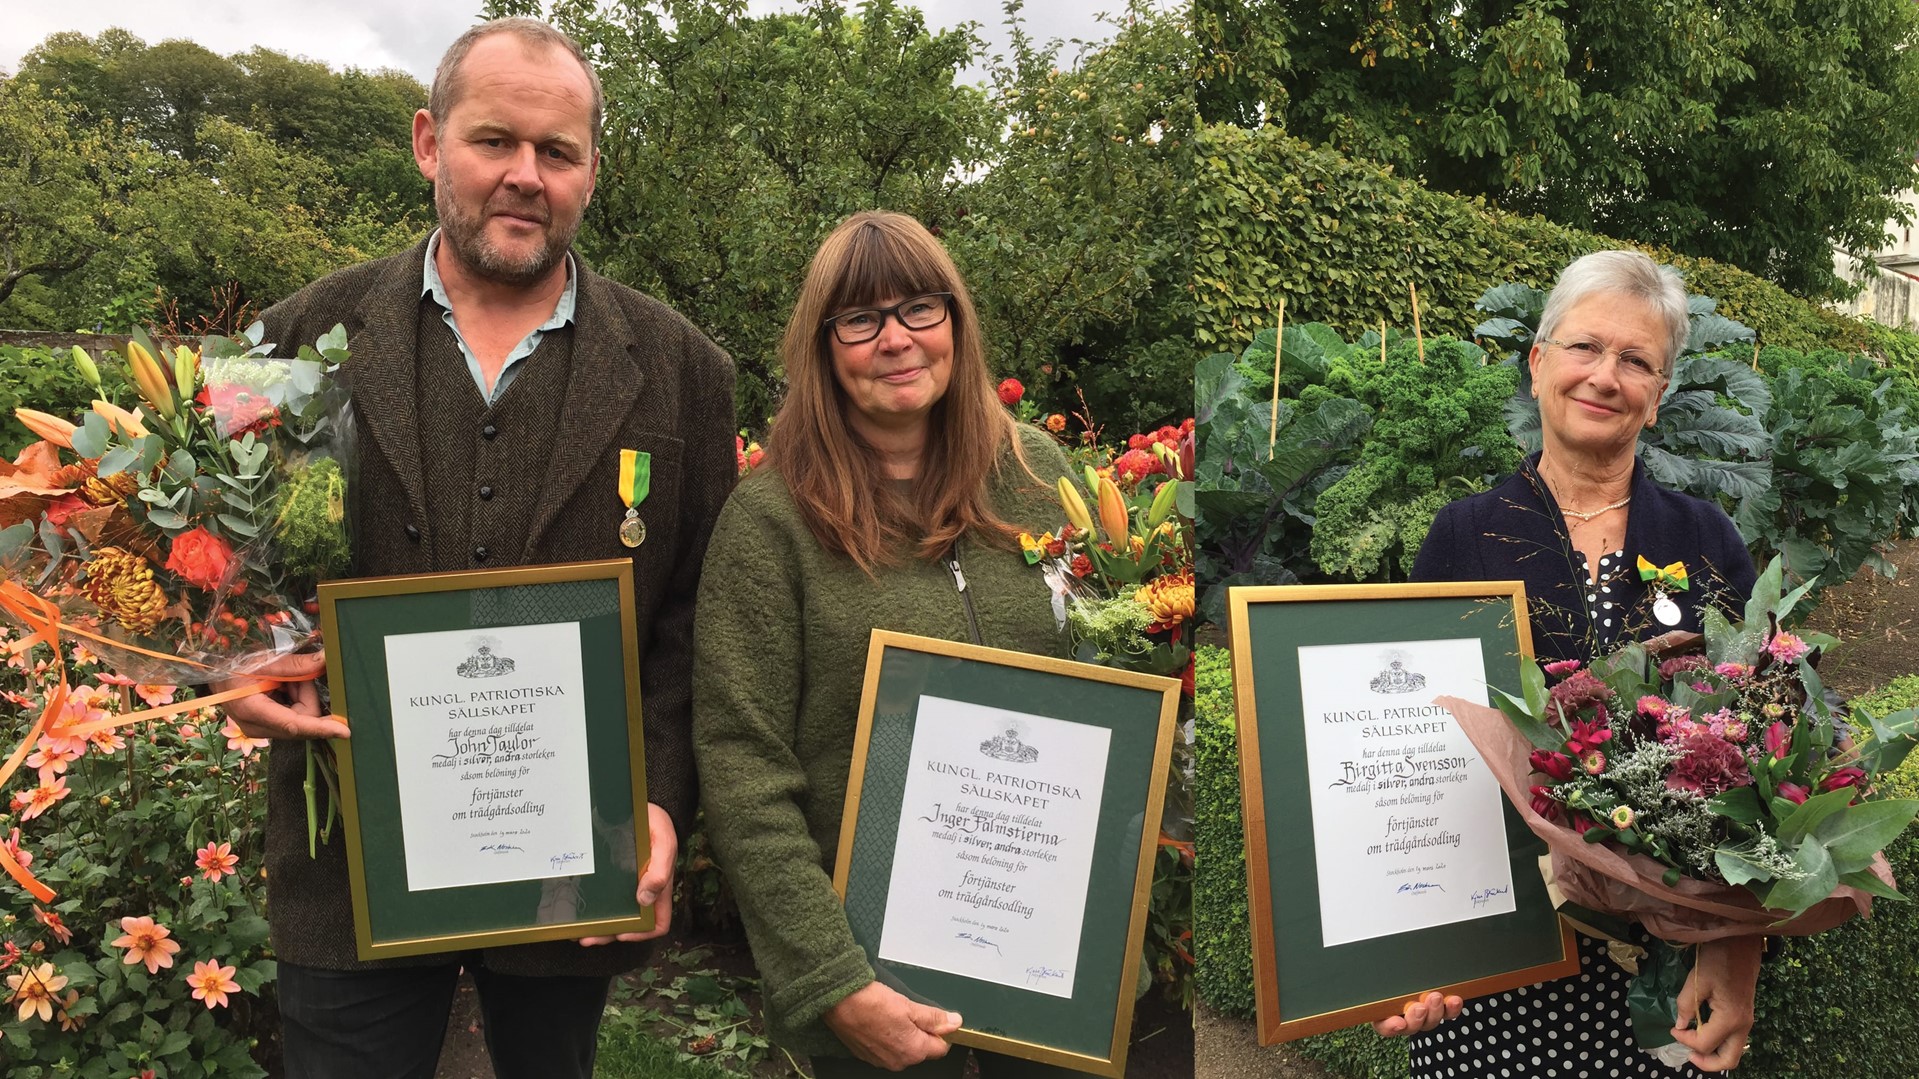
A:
{"x":200,"y":558}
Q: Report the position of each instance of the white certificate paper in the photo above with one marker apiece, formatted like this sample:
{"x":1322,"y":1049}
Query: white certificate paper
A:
{"x":995,"y":845}
{"x":1406,"y":817}
{"x":489,"y":744}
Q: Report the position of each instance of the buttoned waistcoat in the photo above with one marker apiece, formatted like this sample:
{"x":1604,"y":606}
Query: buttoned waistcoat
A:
{"x":629,"y":373}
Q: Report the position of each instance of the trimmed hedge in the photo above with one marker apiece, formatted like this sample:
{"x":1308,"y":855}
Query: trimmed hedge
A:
{"x":1342,"y":239}
{"x":1837,"y":1004}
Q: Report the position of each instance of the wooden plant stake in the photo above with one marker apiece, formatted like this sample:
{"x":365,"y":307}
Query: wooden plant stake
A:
{"x":1418,"y":339}
{"x":1279,"y":352}
{"x":1382,"y":341}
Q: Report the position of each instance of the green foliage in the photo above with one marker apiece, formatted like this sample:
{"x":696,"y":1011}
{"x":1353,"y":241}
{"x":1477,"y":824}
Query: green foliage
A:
{"x":123,"y":843}
{"x":1223,"y":943}
{"x":1438,"y":434}
{"x":1598,"y":114}
{"x":1260,"y":467}
{"x":713,"y":1030}
{"x":39,"y":379}
{"x":1812,"y":1004}
{"x":168,"y":173}
{"x":1342,"y":239}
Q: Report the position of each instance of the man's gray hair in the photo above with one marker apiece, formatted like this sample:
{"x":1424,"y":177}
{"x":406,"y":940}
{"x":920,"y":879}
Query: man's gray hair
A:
{"x":449,"y":81}
{"x":1623,"y":273}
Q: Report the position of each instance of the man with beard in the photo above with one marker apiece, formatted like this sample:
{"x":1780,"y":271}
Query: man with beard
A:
{"x":496,"y":380}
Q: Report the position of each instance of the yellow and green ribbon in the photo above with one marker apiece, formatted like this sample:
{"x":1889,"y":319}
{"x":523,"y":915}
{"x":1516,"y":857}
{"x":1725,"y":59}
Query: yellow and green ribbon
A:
{"x":1671,"y":576}
{"x":636,"y":476}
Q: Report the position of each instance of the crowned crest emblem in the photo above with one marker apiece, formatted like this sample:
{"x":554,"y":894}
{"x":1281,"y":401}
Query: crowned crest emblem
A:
{"x":485,"y":662}
{"x":1008,"y":747}
{"x":1396,"y":678}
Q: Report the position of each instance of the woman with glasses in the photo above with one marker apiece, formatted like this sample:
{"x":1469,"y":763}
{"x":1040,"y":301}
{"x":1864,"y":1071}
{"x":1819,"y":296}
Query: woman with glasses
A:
{"x":893,"y":495}
{"x":1577,"y":522}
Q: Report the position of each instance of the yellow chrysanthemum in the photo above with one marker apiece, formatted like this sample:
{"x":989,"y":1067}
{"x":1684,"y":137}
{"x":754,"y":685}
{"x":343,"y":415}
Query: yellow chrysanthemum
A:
{"x":110,"y":491}
{"x":1170,"y":598}
{"x":121,"y":584}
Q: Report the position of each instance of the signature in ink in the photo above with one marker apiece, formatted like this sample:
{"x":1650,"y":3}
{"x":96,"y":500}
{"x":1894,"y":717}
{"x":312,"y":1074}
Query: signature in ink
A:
{"x":1040,"y":974}
{"x":979,"y":942}
{"x":498,"y":848}
{"x":1418,"y":887}
{"x":1487,"y":895}
{"x":560,"y":860}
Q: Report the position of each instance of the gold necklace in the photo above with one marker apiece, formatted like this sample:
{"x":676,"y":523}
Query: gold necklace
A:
{"x":1608,"y":508}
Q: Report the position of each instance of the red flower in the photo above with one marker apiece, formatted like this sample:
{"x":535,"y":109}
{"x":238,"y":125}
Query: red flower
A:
{"x":1778,"y":740}
{"x":1583,"y":824}
{"x":1135,"y":465}
{"x":1556,"y":765}
{"x":1794,"y":793}
{"x":1081,"y":565}
{"x":1010,"y":391}
{"x":1710,"y":765}
{"x":1844,"y":777}
{"x":238,"y":410}
{"x":1561,"y":667}
{"x":1579,"y":690}
{"x":201,"y":558}
{"x":1544,"y":804}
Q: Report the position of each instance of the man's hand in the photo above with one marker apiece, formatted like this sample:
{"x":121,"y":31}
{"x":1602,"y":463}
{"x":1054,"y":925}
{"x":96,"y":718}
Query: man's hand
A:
{"x":265,"y":715}
{"x":1421,"y":1014}
{"x":656,"y":881}
{"x":889,"y":1031}
{"x":1723,"y":979}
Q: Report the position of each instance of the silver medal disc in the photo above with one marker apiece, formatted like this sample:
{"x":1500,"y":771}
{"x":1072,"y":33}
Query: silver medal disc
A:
{"x":1665,"y":610}
{"x":632,"y":529}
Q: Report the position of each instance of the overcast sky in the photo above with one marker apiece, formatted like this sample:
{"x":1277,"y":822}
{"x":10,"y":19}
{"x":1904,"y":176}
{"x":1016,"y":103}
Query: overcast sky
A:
{"x":411,"y":34}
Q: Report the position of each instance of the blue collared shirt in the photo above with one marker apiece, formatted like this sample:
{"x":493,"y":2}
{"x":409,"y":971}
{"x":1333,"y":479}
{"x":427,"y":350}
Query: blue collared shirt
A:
{"x":562,"y":314}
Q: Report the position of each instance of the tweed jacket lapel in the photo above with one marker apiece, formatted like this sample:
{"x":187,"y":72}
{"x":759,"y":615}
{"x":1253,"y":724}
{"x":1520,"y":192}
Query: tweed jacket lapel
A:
{"x":601,"y":388}
{"x":384,"y":368}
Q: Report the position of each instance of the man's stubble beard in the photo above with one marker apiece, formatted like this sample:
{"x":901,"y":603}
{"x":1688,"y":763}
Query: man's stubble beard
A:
{"x":469,"y":244}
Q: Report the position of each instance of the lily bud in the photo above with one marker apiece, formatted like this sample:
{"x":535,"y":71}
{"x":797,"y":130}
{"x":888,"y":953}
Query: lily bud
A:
{"x":1163,"y":501}
{"x":120,"y":419}
{"x":1092,"y":479}
{"x":85,"y":365}
{"x":1074,"y":505}
{"x":49,"y":427}
{"x":1113,"y":517}
{"x":151,"y":382}
{"x":186,"y":370}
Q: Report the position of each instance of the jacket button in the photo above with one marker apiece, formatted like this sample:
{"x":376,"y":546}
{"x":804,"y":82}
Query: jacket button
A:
{"x":485,"y":493}
{"x":480,"y":554}
{"x":488,"y":432}
{"x":413,"y":533}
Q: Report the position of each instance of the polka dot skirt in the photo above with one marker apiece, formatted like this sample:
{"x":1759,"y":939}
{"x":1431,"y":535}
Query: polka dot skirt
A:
{"x":1572,"y":1028}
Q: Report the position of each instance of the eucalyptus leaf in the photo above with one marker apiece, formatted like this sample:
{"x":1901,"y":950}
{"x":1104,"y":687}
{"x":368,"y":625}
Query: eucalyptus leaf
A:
{"x":1817,"y":881}
{"x":167,"y":520}
{"x":1739,"y":803}
{"x":1853,"y":835}
{"x":92,"y":436}
{"x":1868,"y":882}
{"x":117,"y":460}
{"x":238,"y":526}
{"x":1808,"y":816}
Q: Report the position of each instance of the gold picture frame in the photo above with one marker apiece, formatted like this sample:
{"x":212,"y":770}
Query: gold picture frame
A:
{"x":1090,"y":1030}
{"x":1264,"y":621}
{"x":356,"y":618}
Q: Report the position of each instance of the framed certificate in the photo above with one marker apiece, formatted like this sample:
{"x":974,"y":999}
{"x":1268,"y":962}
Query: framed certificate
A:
{"x":493,"y":791}
{"x":1382,"y":859}
{"x":997,"y":849}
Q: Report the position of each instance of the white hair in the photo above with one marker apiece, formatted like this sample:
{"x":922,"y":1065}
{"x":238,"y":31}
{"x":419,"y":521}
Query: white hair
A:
{"x":1623,"y":273}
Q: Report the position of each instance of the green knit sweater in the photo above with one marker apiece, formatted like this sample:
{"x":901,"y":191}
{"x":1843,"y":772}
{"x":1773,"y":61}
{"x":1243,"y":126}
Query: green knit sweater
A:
{"x":780,"y":642}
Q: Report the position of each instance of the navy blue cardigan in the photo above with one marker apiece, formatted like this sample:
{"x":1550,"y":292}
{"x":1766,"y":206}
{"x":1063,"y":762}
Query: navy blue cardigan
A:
{"x":1516,"y":532}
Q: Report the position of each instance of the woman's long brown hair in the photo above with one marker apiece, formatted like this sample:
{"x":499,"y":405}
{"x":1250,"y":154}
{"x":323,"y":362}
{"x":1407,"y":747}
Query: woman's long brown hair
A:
{"x":844,"y":495}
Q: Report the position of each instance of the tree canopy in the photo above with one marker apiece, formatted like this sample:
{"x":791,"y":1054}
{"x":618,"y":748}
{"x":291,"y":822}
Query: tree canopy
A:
{"x":1757,"y":134}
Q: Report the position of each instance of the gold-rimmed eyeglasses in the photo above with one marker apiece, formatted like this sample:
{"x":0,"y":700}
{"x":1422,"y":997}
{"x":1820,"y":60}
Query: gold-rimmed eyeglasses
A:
{"x":862,"y":325}
{"x":1590,"y":354}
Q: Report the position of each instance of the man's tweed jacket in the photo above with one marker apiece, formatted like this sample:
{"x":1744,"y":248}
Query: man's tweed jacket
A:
{"x":446,"y":482}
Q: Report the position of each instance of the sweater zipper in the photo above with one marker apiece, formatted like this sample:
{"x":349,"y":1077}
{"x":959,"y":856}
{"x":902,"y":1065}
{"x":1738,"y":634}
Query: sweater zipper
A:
{"x":959,"y":582}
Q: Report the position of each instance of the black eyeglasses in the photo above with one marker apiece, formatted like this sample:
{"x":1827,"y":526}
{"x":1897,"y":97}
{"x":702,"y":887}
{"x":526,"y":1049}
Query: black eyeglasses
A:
{"x":919,"y":313}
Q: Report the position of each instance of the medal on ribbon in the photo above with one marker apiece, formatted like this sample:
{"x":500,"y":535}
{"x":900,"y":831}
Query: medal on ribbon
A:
{"x":1671,"y":576}
{"x":636,"y":478}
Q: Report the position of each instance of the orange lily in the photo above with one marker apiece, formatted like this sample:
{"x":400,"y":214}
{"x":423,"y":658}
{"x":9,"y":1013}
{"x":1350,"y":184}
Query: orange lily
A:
{"x":1112,"y":513}
{"x":151,"y":380}
{"x":120,"y":419}
{"x":49,"y":427}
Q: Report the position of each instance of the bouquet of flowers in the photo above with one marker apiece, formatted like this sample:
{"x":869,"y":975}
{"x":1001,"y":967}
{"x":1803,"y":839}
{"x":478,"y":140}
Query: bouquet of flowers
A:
{"x":1701,"y":786}
{"x":183,"y":537}
{"x":1123,"y":584}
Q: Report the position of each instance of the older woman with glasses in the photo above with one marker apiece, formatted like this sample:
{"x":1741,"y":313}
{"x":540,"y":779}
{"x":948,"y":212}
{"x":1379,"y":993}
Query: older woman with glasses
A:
{"x":1578,"y":523}
{"x":894,"y":492}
